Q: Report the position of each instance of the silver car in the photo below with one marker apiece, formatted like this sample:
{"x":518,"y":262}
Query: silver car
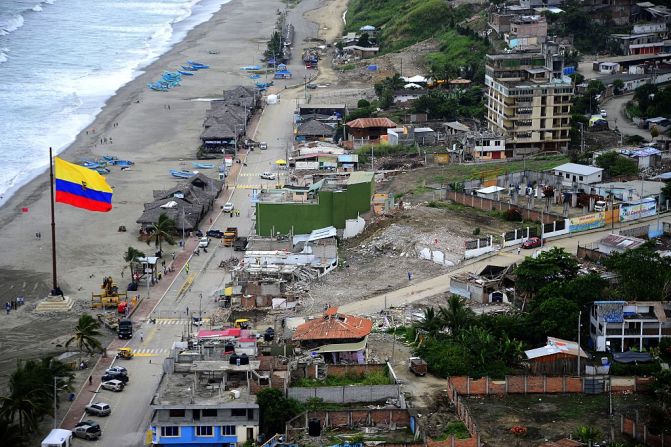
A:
{"x":113,"y":385}
{"x":98,"y":409}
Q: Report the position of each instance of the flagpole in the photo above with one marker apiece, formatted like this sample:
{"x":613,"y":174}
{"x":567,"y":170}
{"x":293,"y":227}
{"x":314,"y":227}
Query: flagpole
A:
{"x":53,"y":223}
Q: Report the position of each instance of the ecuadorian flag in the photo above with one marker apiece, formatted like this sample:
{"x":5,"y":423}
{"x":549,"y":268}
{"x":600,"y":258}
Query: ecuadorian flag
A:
{"x":81,"y":187}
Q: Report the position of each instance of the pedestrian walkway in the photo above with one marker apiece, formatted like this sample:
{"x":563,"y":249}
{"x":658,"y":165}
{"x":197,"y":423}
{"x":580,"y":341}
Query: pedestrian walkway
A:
{"x":150,"y":352}
{"x":166,"y":321}
{"x":142,"y":312}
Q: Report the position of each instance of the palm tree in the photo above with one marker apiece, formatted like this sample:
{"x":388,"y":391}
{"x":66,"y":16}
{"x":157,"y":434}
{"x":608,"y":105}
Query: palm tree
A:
{"x":131,"y":256}
{"x":456,"y":316}
{"x":10,"y":434}
{"x":162,"y":231}
{"x":85,"y":335}
{"x":588,"y":434}
{"x":21,"y":407}
{"x":431,"y":323}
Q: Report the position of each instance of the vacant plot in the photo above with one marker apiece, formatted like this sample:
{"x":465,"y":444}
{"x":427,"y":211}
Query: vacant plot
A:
{"x":550,"y":416}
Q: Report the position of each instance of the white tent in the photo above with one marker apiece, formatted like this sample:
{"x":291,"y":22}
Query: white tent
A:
{"x":412,"y":85}
{"x":416,"y":79}
{"x":271,"y":99}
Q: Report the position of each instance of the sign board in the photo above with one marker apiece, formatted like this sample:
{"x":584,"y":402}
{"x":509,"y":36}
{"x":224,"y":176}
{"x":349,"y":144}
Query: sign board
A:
{"x":587,"y":222}
{"x":148,"y":270}
{"x":307,"y":165}
{"x":634,"y":211}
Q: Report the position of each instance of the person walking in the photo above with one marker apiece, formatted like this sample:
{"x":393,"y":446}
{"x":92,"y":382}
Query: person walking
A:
{"x":90,"y":380}
{"x":8,"y":307}
{"x":519,"y":249}
{"x":141,"y":336}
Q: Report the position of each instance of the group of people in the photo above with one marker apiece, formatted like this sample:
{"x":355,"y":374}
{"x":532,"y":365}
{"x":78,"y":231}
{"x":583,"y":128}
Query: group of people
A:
{"x":235,"y":212}
{"x":38,"y":236}
{"x":14,"y":304}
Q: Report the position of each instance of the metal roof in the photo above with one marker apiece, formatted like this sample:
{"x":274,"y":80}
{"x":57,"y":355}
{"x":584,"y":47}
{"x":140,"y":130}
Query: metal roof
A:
{"x":334,"y":326}
{"x":343,"y":347}
{"x":556,"y":346}
{"x":575,"y":168}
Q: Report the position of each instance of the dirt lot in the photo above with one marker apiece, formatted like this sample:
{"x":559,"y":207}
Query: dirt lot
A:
{"x":382,"y":256}
{"x":549,"y":417}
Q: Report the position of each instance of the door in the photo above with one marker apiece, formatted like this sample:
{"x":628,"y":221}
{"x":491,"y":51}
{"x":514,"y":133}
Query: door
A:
{"x":496,"y":155}
{"x":250,"y":434}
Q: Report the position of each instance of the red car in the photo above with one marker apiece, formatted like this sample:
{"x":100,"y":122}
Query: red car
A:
{"x":532,"y":242}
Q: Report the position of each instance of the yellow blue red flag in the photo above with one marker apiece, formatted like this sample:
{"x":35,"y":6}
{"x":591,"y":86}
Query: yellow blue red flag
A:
{"x":81,"y":187}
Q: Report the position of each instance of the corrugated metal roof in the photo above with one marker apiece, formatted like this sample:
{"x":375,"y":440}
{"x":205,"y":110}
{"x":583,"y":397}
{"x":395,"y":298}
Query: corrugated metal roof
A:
{"x":556,"y":346}
{"x":575,"y":168}
{"x":343,"y":347}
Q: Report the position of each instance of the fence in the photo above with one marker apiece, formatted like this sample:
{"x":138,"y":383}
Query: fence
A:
{"x":639,"y":432}
{"x":497,"y":205}
{"x":465,"y":416}
{"x":540,"y":385}
{"x":345,"y":394}
{"x":479,"y":247}
{"x":395,"y":417}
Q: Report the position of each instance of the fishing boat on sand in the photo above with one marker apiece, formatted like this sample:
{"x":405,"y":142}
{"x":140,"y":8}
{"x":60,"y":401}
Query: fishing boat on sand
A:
{"x":202,"y":165}
{"x":182,"y":173}
{"x":197,"y":65}
{"x":185,"y":73}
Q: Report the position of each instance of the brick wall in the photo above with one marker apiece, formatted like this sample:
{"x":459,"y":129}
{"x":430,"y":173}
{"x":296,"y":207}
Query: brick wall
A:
{"x":639,"y":432}
{"x":489,"y":205}
{"x":537,"y":385}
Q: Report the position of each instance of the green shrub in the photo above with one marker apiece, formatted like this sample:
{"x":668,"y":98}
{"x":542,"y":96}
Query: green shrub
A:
{"x":512,"y":215}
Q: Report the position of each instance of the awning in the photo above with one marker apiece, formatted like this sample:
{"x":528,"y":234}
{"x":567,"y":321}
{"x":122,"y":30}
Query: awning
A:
{"x":280,"y":162}
{"x":631,"y":357}
{"x":343,"y":347}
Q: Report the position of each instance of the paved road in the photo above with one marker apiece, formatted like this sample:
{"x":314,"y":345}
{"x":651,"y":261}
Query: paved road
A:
{"x":616,"y":119}
{"x":441,"y":284}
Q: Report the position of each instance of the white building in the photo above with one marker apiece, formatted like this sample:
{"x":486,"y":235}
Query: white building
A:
{"x":575,"y":175}
{"x":620,"y":325}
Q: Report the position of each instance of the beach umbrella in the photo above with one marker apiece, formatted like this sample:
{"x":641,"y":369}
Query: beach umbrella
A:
{"x":280,"y":162}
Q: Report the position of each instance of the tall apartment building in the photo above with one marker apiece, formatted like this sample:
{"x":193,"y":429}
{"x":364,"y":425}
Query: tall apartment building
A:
{"x":528,"y":99}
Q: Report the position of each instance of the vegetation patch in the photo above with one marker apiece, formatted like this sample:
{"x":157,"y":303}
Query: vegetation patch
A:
{"x":370,"y":378}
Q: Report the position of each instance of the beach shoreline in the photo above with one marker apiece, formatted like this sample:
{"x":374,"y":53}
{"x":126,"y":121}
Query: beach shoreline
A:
{"x":158,"y":131}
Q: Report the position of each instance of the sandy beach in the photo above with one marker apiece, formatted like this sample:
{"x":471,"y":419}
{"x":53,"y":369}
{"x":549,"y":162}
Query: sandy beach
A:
{"x":158,"y":131}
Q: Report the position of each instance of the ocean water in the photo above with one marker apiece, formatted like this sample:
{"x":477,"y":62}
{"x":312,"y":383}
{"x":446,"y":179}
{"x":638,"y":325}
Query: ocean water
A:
{"x":60,"y":60}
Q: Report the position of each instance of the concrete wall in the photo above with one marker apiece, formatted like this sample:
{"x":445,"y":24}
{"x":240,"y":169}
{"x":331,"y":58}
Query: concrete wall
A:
{"x":639,"y":432}
{"x":353,"y":227}
{"x":333,"y":208}
{"x":345,"y":394}
{"x":490,"y":205}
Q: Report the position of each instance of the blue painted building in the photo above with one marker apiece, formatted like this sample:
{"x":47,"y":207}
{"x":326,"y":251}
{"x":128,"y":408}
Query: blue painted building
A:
{"x":208,"y":404}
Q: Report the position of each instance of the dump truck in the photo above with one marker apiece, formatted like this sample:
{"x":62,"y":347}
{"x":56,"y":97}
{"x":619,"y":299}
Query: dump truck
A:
{"x":229,"y":236}
{"x":240,"y":243}
{"x":418,"y":366}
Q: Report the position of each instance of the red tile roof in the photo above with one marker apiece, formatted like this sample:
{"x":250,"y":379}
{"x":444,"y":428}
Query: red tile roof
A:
{"x":363,"y":123}
{"x":333,"y":326}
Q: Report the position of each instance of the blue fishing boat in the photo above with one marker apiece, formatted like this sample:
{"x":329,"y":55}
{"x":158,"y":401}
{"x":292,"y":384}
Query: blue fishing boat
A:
{"x":124,"y":163}
{"x":255,"y":76}
{"x":184,"y":67}
{"x":91,"y":164}
{"x":185,"y":73}
{"x":157,"y":87}
{"x":202,"y":165}
{"x":102,"y":171}
{"x":250,"y":68}
{"x":197,"y":65}
{"x":182,"y":173}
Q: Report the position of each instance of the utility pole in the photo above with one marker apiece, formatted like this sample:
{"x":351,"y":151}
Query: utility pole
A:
{"x":56,"y":379}
{"x":579,"y":317}
{"x":582,"y":137}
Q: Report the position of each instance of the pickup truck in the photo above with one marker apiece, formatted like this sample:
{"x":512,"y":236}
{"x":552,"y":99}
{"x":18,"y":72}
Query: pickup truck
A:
{"x":418,"y":366}
{"x":240,"y":243}
{"x":229,"y":236}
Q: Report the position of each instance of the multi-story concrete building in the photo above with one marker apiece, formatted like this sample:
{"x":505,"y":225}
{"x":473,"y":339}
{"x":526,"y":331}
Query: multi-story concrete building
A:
{"x":206,"y":403}
{"x":529,"y":99}
{"x":620,"y":325}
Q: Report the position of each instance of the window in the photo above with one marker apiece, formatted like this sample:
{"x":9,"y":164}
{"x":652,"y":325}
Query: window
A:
{"x":171,"y":431}
{"x":250,"y":413}
{"x":228,"y":430}
{"x":209,"y":412}
{"x":581,"y":178}
{"x":204,"y":430}
{"x":239,"y":412}
{"x":177,"y":413}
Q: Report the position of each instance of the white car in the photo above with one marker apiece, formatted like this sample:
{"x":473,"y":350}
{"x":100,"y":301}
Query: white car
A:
{"x":98,"y":409}
{"x":228,"y":207}
{"x":113,"y":385}
{"x":268,"y":176}
{"x":204,"y":242}
{"x":263,"y":145}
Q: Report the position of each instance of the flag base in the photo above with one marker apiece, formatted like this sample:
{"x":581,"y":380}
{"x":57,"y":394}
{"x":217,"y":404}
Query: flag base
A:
{"x":55,"y":303}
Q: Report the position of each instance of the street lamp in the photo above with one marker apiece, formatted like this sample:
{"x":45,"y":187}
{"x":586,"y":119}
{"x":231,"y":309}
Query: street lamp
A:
{"x":56,"y":379}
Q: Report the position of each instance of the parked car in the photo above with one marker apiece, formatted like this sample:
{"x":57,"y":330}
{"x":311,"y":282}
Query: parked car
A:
{"x":228,"y":207}
{"x":98,"y":409}
{"x":311,"y":86}
{"x":268,"y":176}
{"x":115,"y":376}
{"x":116,"y":370}
{"x":532,"y":242}
{"x":90,"y":432}
{"x":115,"y":385}
{"x":89,"y":422}
{"x":263,"y":145}
{"x":204,"y":242}
{"x":215,"y":233}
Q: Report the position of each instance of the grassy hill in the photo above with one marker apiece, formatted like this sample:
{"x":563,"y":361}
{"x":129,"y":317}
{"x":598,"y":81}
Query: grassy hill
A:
{"x":406,"y":22}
